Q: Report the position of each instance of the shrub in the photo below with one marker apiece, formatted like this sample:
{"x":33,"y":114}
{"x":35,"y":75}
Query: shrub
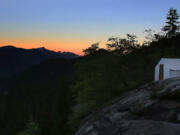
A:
{"x":31,"y":129}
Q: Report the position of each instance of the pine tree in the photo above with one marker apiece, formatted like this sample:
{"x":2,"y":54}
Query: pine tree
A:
{"x":172,"y":27}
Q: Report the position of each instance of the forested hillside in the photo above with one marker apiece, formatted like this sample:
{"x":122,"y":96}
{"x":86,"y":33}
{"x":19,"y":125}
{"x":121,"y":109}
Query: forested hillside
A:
{"x":41,"y":95}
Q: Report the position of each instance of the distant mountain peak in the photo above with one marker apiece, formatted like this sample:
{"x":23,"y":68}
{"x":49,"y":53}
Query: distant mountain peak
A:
{"x":41,"y":48}
{"x":9,"y":46}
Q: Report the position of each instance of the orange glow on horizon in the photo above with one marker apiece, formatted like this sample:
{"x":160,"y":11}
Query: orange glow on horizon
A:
{"x":62,"y":46}
{"x":74,"y":47}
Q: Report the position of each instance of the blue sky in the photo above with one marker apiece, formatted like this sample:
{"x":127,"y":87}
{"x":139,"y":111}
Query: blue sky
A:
{"x":63,"y":24}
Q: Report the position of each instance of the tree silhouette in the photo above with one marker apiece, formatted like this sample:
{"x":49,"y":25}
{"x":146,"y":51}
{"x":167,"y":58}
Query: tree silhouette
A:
{"x":122,"y":45}
{"x":172,"y":27}
{"x":93,"y":48}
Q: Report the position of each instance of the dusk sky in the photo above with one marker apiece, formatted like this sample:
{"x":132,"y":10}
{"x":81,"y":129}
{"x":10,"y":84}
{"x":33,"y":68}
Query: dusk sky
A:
{"x":72,"y":25}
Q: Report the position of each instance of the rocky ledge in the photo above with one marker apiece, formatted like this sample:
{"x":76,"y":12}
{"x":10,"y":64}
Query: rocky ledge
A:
{"x":153,"y":109}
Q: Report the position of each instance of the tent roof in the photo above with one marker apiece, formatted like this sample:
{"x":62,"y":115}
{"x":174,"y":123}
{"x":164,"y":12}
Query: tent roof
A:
{"x":169,"y":61}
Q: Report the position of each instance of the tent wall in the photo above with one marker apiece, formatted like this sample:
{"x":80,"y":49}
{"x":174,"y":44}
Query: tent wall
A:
{"x":169,"y":64}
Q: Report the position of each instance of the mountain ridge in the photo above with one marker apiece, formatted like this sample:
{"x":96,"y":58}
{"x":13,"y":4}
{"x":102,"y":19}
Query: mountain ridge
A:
{"x":42,"y":49}
{"x":15,"y":60}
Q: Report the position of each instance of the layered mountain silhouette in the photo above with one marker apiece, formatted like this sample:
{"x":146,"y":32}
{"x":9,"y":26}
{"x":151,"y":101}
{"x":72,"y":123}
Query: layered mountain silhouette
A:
{"x":15,"y":60}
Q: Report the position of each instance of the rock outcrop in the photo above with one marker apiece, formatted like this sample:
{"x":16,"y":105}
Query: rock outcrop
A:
{"x":153,"y":109}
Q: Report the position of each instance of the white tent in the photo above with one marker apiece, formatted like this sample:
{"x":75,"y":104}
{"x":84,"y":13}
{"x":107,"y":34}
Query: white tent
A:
{"x":167,"y":68}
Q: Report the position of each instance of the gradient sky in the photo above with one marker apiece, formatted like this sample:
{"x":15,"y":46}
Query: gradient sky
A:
{"x":72,"y":25}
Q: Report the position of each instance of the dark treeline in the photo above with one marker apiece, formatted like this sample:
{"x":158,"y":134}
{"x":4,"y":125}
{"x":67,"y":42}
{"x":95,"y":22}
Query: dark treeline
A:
{"x":55,"y":96}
